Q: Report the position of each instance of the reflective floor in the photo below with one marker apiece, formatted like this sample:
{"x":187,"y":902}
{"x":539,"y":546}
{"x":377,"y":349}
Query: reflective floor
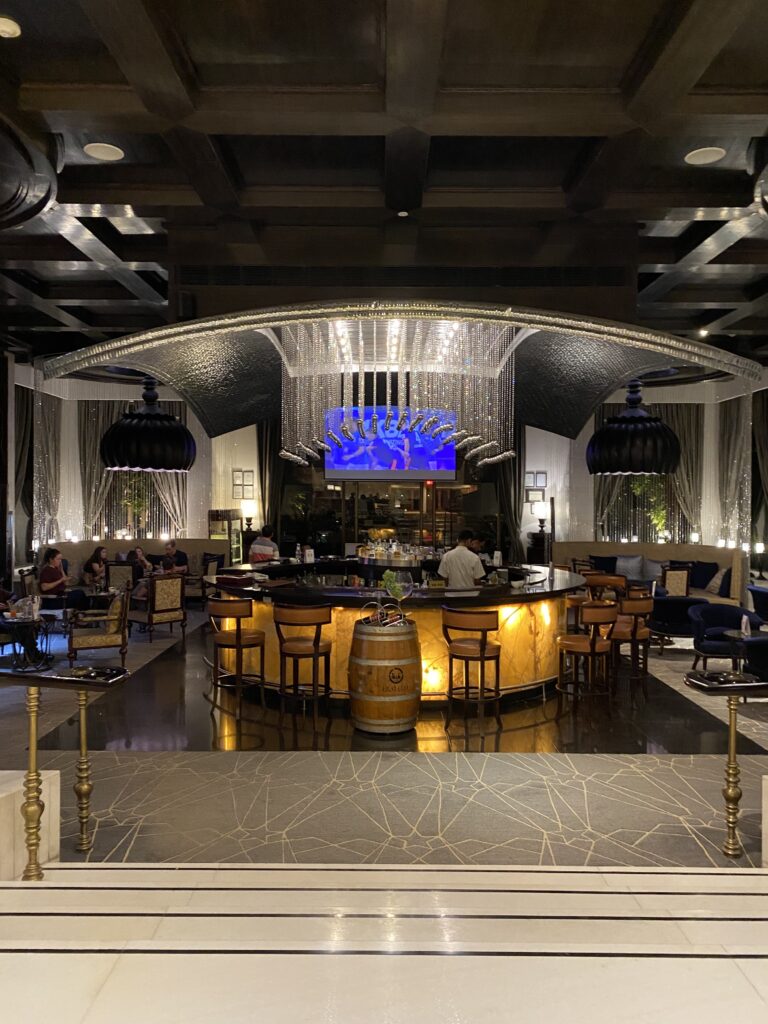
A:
{"x":163,"y":708}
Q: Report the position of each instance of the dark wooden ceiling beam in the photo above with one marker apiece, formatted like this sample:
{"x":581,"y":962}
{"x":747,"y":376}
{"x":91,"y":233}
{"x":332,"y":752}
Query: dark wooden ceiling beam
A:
{"x":415,"y":30}
{"x":30,"y":298}
{"x":406,"y":156}
{"x":89,"y":245}
{"x":718,"y":242}
{"x":201,"y":158}
{"x":678,"y":51}
{"x":152,"y":65}
{"x":599,"y":168}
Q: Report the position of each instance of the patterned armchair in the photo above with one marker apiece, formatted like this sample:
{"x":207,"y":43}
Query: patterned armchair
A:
{"x":165,"y":603}
{"x":118,"y":574}
{"x":114,"y":633}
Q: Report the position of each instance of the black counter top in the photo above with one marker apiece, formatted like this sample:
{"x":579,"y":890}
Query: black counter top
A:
{"x":538,"y":588}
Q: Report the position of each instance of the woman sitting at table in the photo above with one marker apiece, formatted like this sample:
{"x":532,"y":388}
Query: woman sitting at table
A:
{"x":144,"y":562}
{"x":53,"y":581}
{"x":95,"y":568}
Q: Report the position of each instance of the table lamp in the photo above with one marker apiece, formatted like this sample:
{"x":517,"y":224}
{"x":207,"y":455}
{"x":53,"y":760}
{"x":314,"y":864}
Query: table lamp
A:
{"x":248,"y":508}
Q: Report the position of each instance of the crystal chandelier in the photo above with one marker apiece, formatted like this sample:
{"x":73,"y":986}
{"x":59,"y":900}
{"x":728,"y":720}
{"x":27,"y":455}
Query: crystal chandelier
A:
{"x":453,"y":379}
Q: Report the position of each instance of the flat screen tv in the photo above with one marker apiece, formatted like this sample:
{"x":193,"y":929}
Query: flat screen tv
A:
{"x":390,"y":454}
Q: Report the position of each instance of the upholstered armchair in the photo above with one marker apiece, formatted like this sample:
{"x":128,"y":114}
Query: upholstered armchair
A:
{"x":165,"y":603}
{"x":710,"y":622}
{"x":670,"y":618}
{"x":95,"y":630}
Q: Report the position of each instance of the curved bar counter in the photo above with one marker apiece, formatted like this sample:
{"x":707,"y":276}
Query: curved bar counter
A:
{"x":530,"y":620}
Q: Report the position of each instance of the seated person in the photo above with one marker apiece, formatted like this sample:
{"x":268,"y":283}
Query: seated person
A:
{"x":143,"y":561}
{"x":140,"y":588}
{"x":479,"y":544}
{"x":94,"y":567}
{"x":178,"y":557}
{"x":460,"y":567}
{"x":23,"y":634}
{"x":264,"y":548}
{"x":53,"y":581}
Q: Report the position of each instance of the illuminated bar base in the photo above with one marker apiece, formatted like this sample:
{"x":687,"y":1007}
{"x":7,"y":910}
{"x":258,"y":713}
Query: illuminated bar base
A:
{"x":528,"y":634}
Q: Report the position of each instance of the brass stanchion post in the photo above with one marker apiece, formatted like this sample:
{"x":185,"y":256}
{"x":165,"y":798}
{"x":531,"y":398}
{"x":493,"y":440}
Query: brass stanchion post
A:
{"x":732,"y":791}
{"x":33,"y":807}
{"x":83,"y":786}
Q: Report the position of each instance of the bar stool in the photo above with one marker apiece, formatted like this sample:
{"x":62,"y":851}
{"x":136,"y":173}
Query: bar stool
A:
{"x":593,"y":649}
{"x":299,"y":648}
{"x":632,"y":628}
{"x":599,"y":583}
{"x":573,"y":603}
{"x":472,"y":649}
{"x":237,"y":640}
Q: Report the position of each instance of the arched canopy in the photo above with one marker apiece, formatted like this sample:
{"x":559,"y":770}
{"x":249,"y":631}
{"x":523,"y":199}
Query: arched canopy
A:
{"x":229,"y":369}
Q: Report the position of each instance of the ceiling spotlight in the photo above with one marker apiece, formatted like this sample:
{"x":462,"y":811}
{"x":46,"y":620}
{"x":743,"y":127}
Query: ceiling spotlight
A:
{"x":704,"y":156}
{"x":402,"y":213}
{"x":9,"y":29}
{"x":103,"y":151}
{"x":703,"y":332}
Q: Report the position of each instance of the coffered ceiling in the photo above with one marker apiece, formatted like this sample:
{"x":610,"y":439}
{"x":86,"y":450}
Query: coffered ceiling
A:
{"x":529,"y":152}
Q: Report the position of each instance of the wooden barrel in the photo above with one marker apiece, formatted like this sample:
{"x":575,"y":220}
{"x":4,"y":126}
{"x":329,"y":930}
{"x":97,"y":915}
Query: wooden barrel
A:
{"x":384,"y":672}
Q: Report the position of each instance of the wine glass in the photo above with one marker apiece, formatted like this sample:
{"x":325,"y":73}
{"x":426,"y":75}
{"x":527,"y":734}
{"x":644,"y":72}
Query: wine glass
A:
{"x":401,"y":587}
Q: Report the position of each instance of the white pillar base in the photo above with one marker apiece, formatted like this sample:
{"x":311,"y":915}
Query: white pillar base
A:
{"x":13,"y":852}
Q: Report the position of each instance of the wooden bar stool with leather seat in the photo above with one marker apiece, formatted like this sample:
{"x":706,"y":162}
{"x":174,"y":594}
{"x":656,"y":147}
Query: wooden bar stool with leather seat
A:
{"x":469,"y":649}
{"x":237,"y":640}
{"x":299,"y":648}
{"x":592,"y":650}
{"x":632,"y":628}
{"x":573,"y":602}
{"x":603,"y":586}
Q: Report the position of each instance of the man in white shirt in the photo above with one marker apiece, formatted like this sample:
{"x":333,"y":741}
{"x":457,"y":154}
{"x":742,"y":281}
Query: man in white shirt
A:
{"x":460,"y":567}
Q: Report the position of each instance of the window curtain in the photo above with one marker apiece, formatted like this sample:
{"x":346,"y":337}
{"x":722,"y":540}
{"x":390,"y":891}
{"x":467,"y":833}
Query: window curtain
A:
{"x":734,"y":453}
{"x":270,"y":470}
{"x":687,"y":421}
{"x":760,"y":445}
{"x":93,"y":421}
{"x":48,"y":464}
{"x":510,"y":493}
{"x":25,"y":411}
{"x":171,"y":488}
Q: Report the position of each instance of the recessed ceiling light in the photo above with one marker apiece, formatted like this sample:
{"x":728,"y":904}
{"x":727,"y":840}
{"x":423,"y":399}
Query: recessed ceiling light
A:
{"x":103,"y":151}
{"x":703,"y":332}
{"x":402,"y":213}
{"x":704,"y":156}
{"x":9,"y":29}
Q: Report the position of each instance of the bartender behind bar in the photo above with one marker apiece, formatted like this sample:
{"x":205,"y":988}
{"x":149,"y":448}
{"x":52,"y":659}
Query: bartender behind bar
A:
{"x":460,"y":567}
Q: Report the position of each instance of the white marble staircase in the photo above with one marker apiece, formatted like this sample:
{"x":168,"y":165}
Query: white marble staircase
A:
{"x":228,"y":943}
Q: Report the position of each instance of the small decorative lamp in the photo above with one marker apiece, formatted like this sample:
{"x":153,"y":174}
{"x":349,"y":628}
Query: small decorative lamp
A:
{"x":540,"y":509}
{"x":695,"y":537}
{"x":634,"y":443}
{"x":760,"y":552}
{"x":248,"y":508}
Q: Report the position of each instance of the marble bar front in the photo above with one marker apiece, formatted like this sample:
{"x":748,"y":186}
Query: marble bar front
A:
{"x":531,"y":617}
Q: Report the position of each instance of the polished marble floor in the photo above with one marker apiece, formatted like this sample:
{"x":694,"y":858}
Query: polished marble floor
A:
{"x":285,"y":943}
{"x":163,"y":707}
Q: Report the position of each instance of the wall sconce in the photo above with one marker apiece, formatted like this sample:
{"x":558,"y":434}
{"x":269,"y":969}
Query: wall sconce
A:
{"x":634,"y":538}
{"x":721,"y":543}
{"x":731,"y":544}
{"x":695,"y":537}
{"x":95,"y":538}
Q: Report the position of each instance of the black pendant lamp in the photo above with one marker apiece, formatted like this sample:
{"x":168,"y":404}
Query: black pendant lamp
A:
{"x":148,"y":440}
{"x":634,"y":442}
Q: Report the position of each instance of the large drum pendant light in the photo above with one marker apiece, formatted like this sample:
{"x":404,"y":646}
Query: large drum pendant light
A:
{"x":148,"y":440}
{"x":634,"y":442}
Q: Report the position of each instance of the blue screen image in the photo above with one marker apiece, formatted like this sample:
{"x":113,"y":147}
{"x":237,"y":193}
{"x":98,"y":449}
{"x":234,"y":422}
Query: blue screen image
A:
{"x":390,"y":454}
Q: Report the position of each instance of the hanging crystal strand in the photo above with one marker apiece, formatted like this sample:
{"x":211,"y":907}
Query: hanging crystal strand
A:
{"x":374,"y":414}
